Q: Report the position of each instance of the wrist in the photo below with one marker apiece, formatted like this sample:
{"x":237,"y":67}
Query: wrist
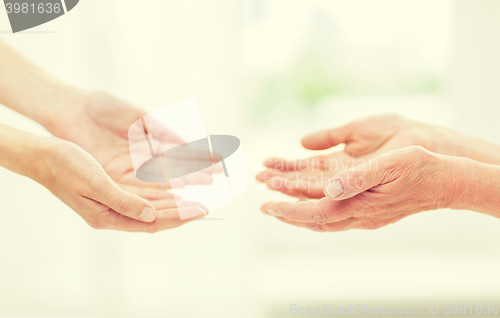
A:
{"x":66,"y":100}
{"x":474,"y":186}
{"x":454,"y":184}
{"x":24,"y":153}
{"x":443,"y":141}
{"x":438,"y":176}
{"x":44,"y":151}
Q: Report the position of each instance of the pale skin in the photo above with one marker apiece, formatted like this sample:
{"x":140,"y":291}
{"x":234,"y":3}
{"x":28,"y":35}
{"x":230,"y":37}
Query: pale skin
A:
{"x":87,"y":164}
{"x":401,"y":167}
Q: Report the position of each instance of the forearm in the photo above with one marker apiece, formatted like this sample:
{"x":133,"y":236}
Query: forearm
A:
{"x":22,"y":152}
{"x":29,"y":90}
{"x":452,"y":143}
{"x":474,"y":186}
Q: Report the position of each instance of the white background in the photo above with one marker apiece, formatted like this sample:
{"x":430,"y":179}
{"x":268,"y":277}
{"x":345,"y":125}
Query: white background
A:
{"x":155,"y":52}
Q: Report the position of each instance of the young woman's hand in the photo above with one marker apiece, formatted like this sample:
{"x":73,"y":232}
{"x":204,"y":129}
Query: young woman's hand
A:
{"x":99,"y":123}
{"x":96,"y":121}
{"x":78,"y":180}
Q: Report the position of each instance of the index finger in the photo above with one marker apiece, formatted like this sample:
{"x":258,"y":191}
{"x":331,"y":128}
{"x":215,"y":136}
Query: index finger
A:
{"x":328,"y":138}
{"x":317,"y":211}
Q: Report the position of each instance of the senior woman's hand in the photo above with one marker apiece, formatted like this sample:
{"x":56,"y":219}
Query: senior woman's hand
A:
{"x":393,"y":186}
{"x":365,"y":139}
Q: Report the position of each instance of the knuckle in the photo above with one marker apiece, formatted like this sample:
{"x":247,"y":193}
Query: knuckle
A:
{"x":418,"y":156}
{"x":320,"y":215}
{"x":403,"y":161}
{"x":355,"y":180}
{"x":417,"y":150}
{"x":123,"y":206}
{"x":317,"y":227}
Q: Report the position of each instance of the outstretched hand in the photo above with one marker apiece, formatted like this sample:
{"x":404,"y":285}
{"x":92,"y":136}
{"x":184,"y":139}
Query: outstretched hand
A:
{"x":364,"y":140}
{"x":80,"y":182}
{"x":380,"y":192}
{"x":99,"y":123}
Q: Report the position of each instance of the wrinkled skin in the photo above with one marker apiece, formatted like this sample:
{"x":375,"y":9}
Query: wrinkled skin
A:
{"x":380,"y":192}
{"x":364,"y":140}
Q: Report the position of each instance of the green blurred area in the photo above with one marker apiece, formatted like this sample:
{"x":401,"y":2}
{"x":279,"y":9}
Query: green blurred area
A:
{"x":310,"y":80}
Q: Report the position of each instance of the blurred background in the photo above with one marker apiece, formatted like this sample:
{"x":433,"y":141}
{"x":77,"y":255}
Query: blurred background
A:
{"x":269,"y":72}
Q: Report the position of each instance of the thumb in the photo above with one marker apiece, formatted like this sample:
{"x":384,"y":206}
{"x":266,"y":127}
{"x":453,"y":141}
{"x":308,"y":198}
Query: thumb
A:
{"x":126,"y":203}
{"x":328,"y":138}
{"x":361,"y":178}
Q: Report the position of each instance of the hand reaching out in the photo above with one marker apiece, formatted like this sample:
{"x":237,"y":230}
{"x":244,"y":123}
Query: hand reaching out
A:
{"x":304,"y":179}
{"x":99,"y":123}
{"x":364,"y":140}
{"x":87,"y":172}
{"x":380,"y":192}
{"x":79,"y":181}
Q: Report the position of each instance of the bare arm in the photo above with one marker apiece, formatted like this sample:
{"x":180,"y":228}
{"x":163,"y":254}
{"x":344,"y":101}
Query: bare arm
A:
{"x":394,"y":186}
{"x":29,"y":90}
{"x":477,"y":187}
{"x":457,"y":144}
{"x":96,"y":121}
{"x":365,"y":139}
{"x":80,"y":182}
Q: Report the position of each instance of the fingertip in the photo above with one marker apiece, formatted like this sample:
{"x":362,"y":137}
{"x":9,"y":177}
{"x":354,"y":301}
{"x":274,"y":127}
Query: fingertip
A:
{"x":265,"y":176}
{"x":175,"y":196}
{"x":260,"y":177}
{"x":310,"y":142}
{"x":334,"y":188}
{"x":271,"y":162}
{"x":264,"y":207}
{"x":305,"y":142}
{"x":178,"y":184}
{"x":267,"y":162}
{"x":148,"y":214}
{"x":219,"y":169}
{"x":192,"y":212}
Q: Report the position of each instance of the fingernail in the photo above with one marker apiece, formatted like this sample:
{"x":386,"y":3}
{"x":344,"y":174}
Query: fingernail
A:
{"x":274,"y":212}
{"x":147,"y":215}
{"x":191,"y":212}
{"x":335,"y":188}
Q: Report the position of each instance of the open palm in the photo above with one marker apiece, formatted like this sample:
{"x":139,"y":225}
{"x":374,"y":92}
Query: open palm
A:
{"x":364,"y":140}
{"x":99,"y":124}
